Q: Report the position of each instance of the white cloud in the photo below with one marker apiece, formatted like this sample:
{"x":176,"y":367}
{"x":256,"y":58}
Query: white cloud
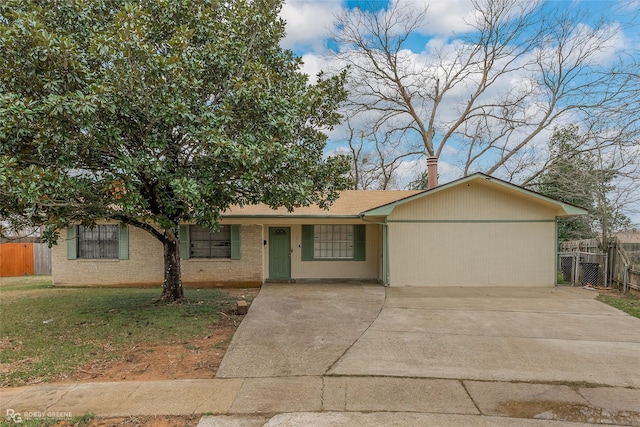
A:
{"x":308,"y":23}
{"x":445,"y":17}
{"x":586,"y":45}
{"x":409,"y":170}
{"x":313,"y":64}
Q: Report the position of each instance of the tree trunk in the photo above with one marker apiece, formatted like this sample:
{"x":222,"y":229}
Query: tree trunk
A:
{"x":172,"y":288}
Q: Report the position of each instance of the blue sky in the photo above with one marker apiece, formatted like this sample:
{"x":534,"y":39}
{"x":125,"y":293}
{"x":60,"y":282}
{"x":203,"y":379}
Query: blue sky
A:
{"x":309,"y":23}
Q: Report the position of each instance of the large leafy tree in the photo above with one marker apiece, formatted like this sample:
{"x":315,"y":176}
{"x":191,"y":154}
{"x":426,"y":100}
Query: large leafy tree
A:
{"x":588,"y":175}
{"x":155,"y":113}
{"x":570,"y":177}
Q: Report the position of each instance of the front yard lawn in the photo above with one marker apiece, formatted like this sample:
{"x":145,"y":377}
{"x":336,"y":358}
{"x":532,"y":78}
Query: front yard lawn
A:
{"x":49,"y":333}
{"x":628,"y":303}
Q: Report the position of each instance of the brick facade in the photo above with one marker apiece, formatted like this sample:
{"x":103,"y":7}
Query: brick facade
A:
{"x":145,"y":264}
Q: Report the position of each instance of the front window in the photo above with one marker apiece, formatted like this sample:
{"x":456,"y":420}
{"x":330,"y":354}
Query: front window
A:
{"x":210,"y":244}
{"x":99,"y":242}
{"x":333,"y":241}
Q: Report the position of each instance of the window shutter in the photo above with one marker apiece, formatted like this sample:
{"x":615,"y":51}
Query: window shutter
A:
{"x":307,"y":243}
{"x":72,"y":242}
{"x":185,"y":244}
{"x":123,"y":252}
{"x":359,"y":242}
{"x":235,"y":242}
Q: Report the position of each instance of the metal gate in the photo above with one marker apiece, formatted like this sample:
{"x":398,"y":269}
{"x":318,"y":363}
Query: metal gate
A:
{"x":583,"y":268}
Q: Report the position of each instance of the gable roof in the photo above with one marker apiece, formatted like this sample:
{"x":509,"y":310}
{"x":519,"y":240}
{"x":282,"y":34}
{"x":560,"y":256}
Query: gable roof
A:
{"x":370,"y":203}
{"x":567,"y":208}
{"x":350,"y":204}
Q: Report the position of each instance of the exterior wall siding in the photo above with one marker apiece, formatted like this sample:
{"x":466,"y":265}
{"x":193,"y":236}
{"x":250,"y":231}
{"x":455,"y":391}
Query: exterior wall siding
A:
{"x":472,"y":254}
{"x":474,"y":201}
{"x":473,"y":235}
{"x":145,"y":264}
{"x":310,"y":270}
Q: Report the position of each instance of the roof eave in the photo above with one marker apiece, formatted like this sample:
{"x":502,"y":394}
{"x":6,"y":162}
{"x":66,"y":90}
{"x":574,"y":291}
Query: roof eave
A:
{"x":381,"y":211}
{"x":571,"y":210}
{"x":385,"y":210}
{"x":284,"y":216}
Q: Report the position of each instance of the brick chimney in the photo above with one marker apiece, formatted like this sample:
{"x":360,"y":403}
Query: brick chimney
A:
{"x":432,"y":172}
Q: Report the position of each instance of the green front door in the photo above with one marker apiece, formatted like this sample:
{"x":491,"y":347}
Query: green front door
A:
{"x":279,"y":253}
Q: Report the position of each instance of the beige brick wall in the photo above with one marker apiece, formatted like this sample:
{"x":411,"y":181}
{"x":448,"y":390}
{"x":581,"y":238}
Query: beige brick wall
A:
{"x":247,"y":271}
{"x":145,"y":264}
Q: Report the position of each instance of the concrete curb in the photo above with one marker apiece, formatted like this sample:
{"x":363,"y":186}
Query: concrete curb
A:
{"x":329,"y":400}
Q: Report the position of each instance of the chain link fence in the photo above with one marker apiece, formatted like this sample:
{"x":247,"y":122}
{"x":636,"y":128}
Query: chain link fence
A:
{"x":583,"y":262}
{"x":583,"y":268}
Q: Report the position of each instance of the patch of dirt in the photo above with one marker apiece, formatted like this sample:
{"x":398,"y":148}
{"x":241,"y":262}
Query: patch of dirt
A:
{"x":566,"y":411}
{"x":197,"y":358}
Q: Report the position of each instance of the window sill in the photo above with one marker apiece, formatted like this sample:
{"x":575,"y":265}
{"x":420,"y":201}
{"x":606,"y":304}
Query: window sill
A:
{"x":98,"y":260}
{"x":207,"y":260}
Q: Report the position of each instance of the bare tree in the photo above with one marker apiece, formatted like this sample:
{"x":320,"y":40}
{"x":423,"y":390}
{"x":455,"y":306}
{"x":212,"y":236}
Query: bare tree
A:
{"x":376,"y":158}
{"x":494,"y":94}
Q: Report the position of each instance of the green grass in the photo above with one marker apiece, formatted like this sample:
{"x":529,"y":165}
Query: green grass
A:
{"x":81,"y":421}
{"x":8,"y":284}
{"x":46,"y":332}
{"x":628,"y":303}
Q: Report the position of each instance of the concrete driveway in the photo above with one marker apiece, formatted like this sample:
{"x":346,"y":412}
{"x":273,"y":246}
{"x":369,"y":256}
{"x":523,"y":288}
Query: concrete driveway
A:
{"x":300,"y":329}
{"x":541,"y":335}
{"x":340,"y":354}
{"x":548,"y":335}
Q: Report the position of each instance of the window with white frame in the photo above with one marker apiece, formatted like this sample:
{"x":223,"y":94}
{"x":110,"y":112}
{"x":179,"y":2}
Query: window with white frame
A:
{"x":205,"y":243}
{"x":333,"y":241}
{"x":99,"y":242}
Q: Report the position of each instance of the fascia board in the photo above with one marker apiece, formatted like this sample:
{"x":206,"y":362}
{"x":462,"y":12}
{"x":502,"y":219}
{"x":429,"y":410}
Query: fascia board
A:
{"x":385,"y":210}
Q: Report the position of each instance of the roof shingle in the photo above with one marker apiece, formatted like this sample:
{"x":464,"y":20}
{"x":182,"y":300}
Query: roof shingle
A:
{"x":350,"y":203}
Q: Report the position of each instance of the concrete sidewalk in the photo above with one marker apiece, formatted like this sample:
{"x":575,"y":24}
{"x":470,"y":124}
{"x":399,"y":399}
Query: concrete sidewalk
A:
{"x":315,"y":400}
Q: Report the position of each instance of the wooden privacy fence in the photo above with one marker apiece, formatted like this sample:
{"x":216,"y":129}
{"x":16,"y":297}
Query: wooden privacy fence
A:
{"x":24,"y":259}
{"x":591,"y":246}
{"x":625,"y":258}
